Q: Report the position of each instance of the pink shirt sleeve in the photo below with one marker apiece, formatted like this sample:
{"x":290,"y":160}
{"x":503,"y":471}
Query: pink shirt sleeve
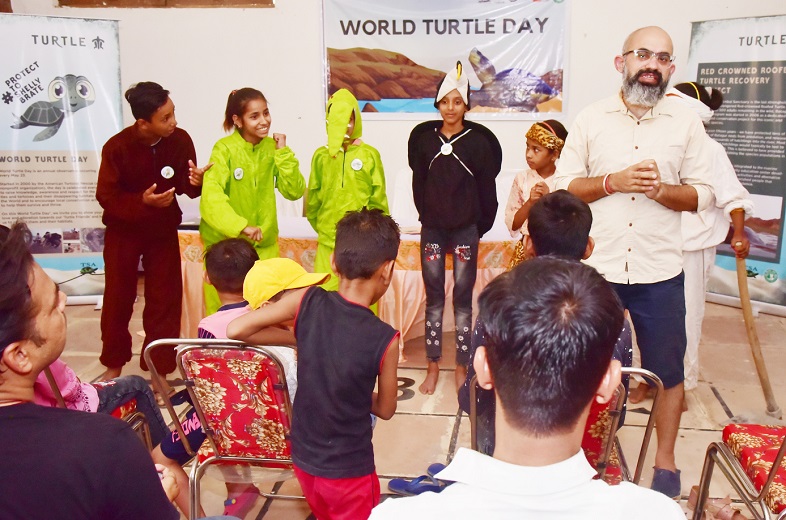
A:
{"x":76,"y":394}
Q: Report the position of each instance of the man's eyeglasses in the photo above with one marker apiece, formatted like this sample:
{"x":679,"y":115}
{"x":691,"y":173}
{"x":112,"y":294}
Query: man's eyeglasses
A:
{"x":644,"y":55}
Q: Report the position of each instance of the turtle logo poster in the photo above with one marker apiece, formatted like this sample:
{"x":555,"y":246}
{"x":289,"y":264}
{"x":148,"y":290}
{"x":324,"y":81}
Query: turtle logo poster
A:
{"x":392,"y":55}
{"x":60,"y":102}
{"x":745,"y":58}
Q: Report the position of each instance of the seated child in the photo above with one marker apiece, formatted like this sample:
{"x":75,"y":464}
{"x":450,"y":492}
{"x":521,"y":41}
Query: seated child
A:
{"x":559,"y":225}
{"x":343,"y":351}
{"x":242,"y":282}
{"x":551,"y":324}
{"x":267,"y":282}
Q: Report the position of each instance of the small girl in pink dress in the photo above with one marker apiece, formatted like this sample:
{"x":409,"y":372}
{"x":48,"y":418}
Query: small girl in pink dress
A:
{"x":545,"y":140}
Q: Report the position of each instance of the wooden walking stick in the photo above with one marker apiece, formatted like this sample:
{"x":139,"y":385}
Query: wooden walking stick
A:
{"x":773,"y":410}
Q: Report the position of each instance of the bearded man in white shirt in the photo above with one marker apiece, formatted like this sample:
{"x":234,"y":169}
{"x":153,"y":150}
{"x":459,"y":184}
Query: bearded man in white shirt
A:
{"x":639,"y":159}
{"x":551,"y":325}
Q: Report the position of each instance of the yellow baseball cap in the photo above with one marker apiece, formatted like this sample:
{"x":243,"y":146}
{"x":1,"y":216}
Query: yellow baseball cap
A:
{"x":269,"y":277}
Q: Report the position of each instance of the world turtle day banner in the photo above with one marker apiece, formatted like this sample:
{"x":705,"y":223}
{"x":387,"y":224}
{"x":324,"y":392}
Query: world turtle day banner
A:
{"x":745,"y":58}
{"x":60,"y":96}
{"x":392,"y":55}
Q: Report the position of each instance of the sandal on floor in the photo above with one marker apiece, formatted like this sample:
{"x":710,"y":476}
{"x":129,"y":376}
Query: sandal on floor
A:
{"x":434,"y":469}
{"x":241,"y":504}
{"x":410,"y":488}
{"x":715,"y":503}
{"x":715,"y":508}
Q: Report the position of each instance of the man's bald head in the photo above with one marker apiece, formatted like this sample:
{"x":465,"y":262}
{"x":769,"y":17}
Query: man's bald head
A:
{"x":653,"y":38}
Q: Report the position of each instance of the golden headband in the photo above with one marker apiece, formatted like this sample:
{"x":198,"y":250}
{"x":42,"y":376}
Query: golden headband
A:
{"x":545,"y":138}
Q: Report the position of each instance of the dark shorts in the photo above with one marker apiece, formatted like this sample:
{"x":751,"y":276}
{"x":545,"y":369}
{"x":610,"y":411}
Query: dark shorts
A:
{"x":171,"y":446}
{"x":658,"y":314}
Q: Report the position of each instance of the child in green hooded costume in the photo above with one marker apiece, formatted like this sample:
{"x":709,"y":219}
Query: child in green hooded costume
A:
{"x":238,"y":199}
{"x":346,"y":175}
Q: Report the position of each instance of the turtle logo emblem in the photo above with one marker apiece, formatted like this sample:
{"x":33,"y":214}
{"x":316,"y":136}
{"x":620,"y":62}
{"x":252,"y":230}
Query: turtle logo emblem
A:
{"x":238,"y":173}
{"x":167,"y":172}
{"x":67,"y":94}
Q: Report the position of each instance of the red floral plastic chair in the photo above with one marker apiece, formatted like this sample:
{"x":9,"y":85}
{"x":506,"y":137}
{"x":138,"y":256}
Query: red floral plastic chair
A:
{"x":600,"y":443}
{"x":127,"y":412}
{"x":751,"y":458}
{"x":240,"y":395}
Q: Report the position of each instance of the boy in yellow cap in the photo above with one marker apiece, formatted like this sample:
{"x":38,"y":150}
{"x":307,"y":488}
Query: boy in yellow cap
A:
{"x":243,"y":283}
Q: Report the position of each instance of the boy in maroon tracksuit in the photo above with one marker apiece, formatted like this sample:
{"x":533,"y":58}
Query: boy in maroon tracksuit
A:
{"x":142,"y":168}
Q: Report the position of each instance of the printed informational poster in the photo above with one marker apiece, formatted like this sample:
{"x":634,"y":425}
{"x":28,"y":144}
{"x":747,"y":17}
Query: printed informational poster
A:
{"x":745,"y":59}
{"x":60,"y":97}
{"x":392,"y":55}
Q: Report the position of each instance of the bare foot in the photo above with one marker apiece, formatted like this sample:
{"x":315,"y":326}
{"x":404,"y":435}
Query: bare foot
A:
{"x":428,"y":386}
{"x":639,"y":393}
{"x":460,"y":375}
{"x":110,"y":373}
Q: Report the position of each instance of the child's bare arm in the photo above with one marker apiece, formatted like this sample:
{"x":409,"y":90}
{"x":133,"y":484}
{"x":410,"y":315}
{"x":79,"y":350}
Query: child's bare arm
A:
{"x":260,"y":326}
{"x":384,"y":400}
{"x":272,"y":336}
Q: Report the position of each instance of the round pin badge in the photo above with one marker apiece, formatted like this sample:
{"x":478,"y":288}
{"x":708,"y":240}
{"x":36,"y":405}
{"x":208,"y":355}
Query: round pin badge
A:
{"x":167,"y":172}
{"x":238,"y":173}
{"x":446,"y":149}
{"x":356,"y":164}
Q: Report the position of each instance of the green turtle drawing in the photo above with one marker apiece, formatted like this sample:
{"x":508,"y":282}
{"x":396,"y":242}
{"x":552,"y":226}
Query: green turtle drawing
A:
{"x":511,"y":88}
{"x":67,"y":94}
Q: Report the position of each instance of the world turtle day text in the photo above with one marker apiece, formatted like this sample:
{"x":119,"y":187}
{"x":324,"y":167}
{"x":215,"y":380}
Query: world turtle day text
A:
{"x":42,"y":158}
{"x":443,"y":26}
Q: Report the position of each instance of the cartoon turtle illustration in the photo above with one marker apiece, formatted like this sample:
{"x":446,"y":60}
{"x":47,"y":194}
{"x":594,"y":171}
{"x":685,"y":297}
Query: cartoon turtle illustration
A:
{"x":511,"y":88}
{"x":67,"y":94}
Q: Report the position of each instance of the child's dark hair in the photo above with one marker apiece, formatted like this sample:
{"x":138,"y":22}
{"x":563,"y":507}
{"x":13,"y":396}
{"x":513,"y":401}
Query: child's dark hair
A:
{"x":145,"y":98}
{"x":555,"y":127}
{"x":17,"y":310}
{"x":711,"y":97}
{"x":227,"y":263}
{"x":559,"y":224}
{"x":551,"y":325}
{"x":365,"y":240}
{"x":236,"y":104}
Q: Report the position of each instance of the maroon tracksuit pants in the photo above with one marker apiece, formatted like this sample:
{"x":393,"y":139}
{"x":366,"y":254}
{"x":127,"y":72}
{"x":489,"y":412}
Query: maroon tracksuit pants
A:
{"x":160,"y":255}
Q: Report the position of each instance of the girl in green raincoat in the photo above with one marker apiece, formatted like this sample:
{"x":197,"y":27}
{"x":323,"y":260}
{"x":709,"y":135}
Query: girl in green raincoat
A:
{"x":238,"y":198}
{"x":346,"y":175}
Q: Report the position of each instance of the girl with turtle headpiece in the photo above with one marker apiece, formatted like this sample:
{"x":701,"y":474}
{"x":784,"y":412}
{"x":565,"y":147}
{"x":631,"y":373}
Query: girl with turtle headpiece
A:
{"x":346,"y":175}
{"x":544,"y":144}
{"x":454,"y":166}
{"x":238,"y":197}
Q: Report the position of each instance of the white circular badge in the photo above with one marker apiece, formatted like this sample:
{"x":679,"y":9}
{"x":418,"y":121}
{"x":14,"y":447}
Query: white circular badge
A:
{"x":356,"y":164}
{"x":167,"y":172}
{"x":238,"y":173}
{"x":446,"y":149}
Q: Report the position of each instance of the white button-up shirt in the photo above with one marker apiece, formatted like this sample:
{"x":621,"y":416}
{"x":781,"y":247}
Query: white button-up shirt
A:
{"x":637,"y":240}
{"x":489,"y":488}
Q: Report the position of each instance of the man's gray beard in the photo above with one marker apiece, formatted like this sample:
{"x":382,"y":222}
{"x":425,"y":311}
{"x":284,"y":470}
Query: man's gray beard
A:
{"x":636,"y":94}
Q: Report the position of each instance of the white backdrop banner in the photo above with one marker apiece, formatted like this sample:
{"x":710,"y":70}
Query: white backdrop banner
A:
{"x":60,"y":96}
{"x":392,"y":55}
{"x":745,"y":58}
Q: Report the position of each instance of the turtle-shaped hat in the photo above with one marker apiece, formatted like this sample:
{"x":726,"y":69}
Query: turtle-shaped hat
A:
{"x":454,"y":79}
{"x":340,"y":107}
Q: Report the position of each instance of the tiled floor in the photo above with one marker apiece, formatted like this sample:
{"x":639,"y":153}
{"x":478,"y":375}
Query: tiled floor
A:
{"x":425,"y":429}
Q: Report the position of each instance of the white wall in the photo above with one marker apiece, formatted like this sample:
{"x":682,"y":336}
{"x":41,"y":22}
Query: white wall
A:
{"x":200,"y":55}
